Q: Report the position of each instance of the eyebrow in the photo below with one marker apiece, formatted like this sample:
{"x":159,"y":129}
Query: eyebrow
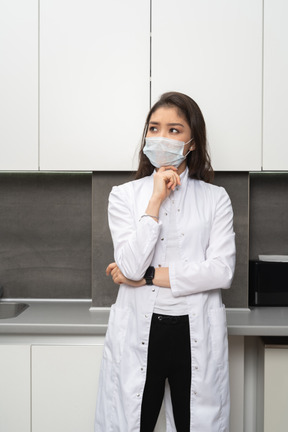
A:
{"x":169,"y":124}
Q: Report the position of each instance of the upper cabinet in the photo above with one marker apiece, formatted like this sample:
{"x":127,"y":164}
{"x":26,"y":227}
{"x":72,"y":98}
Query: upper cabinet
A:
{"x":94,"y":83}
{"x":19,"y":85}
{"x":76,"y":79}
{"x":212,"y":51}
{"x":275,"y":96}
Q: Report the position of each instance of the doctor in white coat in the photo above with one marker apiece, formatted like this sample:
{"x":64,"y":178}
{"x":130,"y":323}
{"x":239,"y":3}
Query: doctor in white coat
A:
{"x":174,"y":250}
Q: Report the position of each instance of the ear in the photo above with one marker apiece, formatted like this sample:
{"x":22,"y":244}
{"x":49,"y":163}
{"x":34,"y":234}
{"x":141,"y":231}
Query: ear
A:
{"x":192,"y":147}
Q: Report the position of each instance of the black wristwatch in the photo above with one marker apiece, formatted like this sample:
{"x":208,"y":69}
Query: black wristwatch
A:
{"x":149,"y":275}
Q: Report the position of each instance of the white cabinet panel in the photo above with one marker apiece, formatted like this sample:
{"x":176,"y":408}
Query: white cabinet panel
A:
{"x":212,"y":50}
{"x":64,"y":387}
{"x":275,"y":125}
{"x":19,"y":85}
{"x":236,"y":374}
{"x":64,"y":381}
{"x":15,"y":388}
{"x":276,"y":389}
{"x":94,"y":83}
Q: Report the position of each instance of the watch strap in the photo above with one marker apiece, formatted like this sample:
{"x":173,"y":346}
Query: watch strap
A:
{"x":149,"y":275}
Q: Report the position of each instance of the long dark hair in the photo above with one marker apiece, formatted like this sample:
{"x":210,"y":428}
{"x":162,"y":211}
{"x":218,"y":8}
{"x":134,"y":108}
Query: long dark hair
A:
{"x":198,"y":161}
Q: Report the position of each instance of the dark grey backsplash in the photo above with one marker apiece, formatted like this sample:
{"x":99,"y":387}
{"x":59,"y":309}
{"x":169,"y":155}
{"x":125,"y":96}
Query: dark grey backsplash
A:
{"x":55,"y":241}
{"x":104,"y":291}
{"x":268,"y":214}
{"x":45,"y":235}
{"x":237,"y":186}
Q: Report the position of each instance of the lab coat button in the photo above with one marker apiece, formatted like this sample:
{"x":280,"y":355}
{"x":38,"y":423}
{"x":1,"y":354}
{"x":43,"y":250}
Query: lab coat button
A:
{"x":162,"y":238}
{"x":143,"y":343}
{"x":138,"y":395}
{"x":159,"y":265}
{"x":153,"y":289}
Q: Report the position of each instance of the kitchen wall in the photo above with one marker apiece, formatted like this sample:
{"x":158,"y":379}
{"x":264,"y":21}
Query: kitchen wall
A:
{"x":268,"y":214}
{"x":45,"y":235}
{"x":55,"y":241}
{"x":237,"y":186}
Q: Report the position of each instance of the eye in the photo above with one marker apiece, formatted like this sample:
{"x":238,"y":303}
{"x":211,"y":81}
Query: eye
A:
{"x":152,"y":129}
{"x":173,"y":130}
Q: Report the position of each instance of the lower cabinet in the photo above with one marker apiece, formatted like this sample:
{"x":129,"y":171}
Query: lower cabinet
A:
{"x":237,"y":379}
{"x":53,"y":387}
{"x":64,"y":387}
{"x":276,"y":388}
{"x":15,"y":388}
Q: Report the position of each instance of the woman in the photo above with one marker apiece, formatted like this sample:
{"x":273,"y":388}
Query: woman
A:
{"x":174,"y":251}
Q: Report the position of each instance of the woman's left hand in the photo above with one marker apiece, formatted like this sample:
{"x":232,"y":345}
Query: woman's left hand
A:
{"x":119,"y":278}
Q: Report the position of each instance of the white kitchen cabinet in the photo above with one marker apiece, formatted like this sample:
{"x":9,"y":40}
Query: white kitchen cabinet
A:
{"x":275,"y":388}
{"x":15,"y":388}
{"x":212,"y":50}
{"x":94,"y":83}
{"x":275,"y":86}
{"x":19,"y":85}
{"x":64,"y":387}
{"x":236,"y":375}
{"x":61,"y":382}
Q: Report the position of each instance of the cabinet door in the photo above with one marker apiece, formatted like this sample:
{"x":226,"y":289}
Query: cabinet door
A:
{"x":15,"y":388}
{"x":212,"y":51}
{"x":94,"y":85}
{"x":236,"y":375}
{"x":275,"y":125}
{"x":275,"y":389}
{"x":19,"y":85}
{"x":64,"y":387}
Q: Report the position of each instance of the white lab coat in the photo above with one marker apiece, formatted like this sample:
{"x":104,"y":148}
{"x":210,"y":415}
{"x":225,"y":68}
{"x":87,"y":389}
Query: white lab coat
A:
{"x":206,"y":264}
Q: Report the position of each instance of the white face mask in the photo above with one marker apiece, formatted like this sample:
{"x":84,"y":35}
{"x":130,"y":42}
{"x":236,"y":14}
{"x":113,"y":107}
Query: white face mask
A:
{"x":165,"y":151}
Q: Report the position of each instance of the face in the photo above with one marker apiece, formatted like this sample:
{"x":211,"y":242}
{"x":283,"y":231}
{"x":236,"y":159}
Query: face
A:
{"x":166,"y":122}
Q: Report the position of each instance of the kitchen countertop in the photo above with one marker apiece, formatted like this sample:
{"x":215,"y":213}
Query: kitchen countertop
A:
{"x":77,"y":317}
{"x":73,"y":317}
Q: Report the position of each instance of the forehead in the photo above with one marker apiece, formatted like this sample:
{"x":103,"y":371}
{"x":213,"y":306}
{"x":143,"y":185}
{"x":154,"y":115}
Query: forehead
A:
{"x":168,"y":115}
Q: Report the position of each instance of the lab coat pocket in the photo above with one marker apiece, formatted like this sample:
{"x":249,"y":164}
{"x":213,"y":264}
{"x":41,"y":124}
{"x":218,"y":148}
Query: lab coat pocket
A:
{"x":218,"y":333}
{"x":116,"y":333}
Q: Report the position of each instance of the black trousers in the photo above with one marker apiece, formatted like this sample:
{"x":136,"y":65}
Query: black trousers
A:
{"x":169,"y":357}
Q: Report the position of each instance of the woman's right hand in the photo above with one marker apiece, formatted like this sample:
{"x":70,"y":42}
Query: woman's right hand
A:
{"x":165,"y":180}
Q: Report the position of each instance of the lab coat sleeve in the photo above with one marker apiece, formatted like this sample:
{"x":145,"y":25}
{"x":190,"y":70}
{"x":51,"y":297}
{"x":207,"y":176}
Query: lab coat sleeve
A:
{"x":134,"y":238}
{"x":217,"y":269}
